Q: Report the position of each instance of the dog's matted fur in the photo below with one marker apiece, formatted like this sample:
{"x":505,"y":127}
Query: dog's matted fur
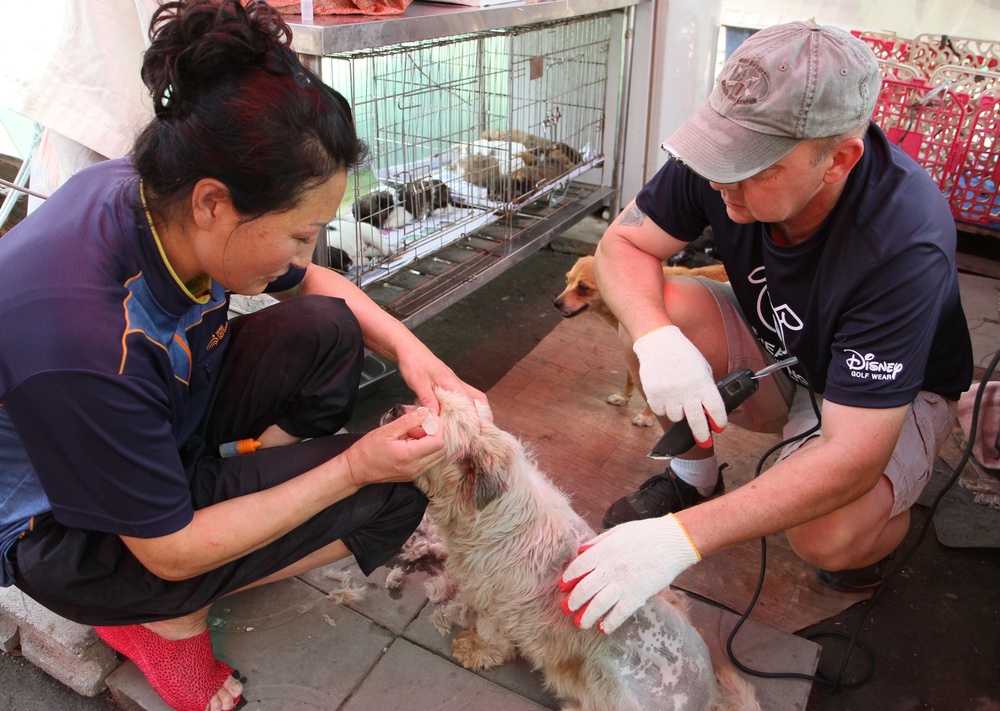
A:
{"x":509,"y":534}
{"x":581,"y":294}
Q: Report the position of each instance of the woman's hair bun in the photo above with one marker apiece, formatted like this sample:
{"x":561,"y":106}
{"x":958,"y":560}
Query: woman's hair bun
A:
{"x":198,"y":44}
{"x":234,"y":103}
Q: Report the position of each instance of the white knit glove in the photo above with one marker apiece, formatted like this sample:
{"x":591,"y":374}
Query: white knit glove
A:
{"x":677,"y":381}
{"x":620,"y":569}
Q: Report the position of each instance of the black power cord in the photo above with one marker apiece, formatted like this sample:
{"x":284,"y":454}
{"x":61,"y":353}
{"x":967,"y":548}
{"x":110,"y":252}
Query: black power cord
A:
{"x":853,"y":643}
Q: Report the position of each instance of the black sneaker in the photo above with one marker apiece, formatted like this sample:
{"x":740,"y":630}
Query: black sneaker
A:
{"x":855,"y":579}
{"x":662,"y":494}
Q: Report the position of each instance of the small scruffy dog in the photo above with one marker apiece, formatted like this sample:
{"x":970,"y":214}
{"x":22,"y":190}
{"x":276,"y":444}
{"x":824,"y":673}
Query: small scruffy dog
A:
{"x":509,"y":534}
{"x":581,"y":294}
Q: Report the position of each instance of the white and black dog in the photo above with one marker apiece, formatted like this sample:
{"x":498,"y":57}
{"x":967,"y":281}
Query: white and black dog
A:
{"x":382,"y":210}
{"x":391,"y":210}
{"x":355,"y":243}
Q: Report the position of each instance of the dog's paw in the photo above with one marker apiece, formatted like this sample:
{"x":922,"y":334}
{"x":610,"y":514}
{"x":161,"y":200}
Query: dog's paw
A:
{"x":442,"y":621}
{"x":644,"y":419}
{"x":473,"y":653}
{"x":618,"y":399}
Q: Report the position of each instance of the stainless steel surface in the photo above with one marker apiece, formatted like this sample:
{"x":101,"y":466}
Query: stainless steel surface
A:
{"x":374,"y":370}
{"x":335,"y":34}
{"x":775,"y":366}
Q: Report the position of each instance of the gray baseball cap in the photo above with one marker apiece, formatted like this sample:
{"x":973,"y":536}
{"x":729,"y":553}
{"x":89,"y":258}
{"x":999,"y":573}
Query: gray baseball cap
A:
{"x":784,"y":84}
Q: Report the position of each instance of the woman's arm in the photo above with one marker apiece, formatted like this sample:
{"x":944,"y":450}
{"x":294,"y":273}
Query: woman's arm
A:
{"x":387,"y":336}
{"x":226,"y":531}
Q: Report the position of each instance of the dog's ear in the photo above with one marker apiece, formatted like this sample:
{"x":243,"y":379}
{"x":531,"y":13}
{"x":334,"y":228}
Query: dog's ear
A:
{"x":486,"y":486}
{"x":487,"y":467}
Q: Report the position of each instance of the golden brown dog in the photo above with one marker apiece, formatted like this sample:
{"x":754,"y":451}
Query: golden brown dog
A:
{"x":509,"y":534}
{"x":581,"y":294}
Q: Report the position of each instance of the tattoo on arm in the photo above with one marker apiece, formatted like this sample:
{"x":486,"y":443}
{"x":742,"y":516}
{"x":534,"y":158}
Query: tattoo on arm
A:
{"x":632,"y":217}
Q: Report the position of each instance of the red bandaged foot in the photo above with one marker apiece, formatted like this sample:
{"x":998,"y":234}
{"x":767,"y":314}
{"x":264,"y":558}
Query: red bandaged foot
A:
{"x":185,"y":672}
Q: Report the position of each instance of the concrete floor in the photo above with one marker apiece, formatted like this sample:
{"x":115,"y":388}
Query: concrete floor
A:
{"x":933,"y":633}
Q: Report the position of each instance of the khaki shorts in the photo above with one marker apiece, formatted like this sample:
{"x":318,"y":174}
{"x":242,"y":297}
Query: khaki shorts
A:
{"x":781,"y":407}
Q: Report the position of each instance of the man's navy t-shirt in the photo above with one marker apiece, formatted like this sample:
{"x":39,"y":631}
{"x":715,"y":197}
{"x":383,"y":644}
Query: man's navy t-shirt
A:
{"x":869,"y":303}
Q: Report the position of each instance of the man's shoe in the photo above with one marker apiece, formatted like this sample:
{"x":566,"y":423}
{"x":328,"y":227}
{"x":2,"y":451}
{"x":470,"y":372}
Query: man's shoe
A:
{"x":662,"y":494}
{"x":856,"y":579}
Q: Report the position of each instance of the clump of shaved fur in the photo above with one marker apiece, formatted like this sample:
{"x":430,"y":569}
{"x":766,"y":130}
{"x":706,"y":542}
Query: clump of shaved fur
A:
{"x":347,"y":591}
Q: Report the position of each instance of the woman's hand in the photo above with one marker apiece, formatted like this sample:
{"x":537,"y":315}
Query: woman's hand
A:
{"x":423,"y":371}
{"x":401,"y":450}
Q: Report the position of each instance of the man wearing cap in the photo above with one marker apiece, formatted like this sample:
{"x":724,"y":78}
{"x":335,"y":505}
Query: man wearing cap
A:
{"x":840,"y":251}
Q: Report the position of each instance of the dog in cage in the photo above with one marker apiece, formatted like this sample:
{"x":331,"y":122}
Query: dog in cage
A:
{"x":527,"y":179}
{"x":382,"y":210}
{"x":496,"y":164}
{"x":479,"y":169}
{"x":355,"y":243}
{"x":512,"y":164}
{"x":508,"y":186}
{"x":506,"y":155}
{"x":392,"y":209}
{"x":509,"y":534}
{"x":339,"y":259}
{"x":424,"y":197}
{"x":538,"y":146}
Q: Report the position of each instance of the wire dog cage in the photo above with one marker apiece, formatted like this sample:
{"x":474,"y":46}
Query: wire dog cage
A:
{"x":463,"y":132}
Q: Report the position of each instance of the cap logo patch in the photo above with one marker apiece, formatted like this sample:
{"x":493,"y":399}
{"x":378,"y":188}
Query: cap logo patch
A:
{"x":746,"y":84}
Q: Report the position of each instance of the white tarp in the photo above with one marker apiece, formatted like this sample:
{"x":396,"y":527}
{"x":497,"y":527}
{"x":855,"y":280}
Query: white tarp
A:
{"x":73,"y":67}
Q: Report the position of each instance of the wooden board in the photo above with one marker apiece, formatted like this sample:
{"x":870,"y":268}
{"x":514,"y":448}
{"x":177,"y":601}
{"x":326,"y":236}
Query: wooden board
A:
{"x":554,"y":400}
